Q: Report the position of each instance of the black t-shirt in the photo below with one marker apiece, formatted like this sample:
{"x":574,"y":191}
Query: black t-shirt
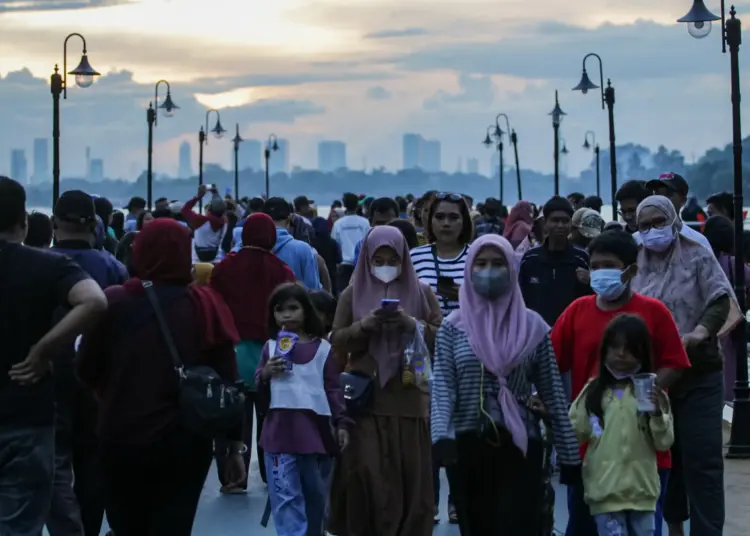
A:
{"x":33,"y":284}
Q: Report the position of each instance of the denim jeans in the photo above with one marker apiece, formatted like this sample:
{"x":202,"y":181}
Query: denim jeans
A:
{"x":298,"y":487}
{"x":64,"y":518}
{"x":628,"y":523}
{"x":27,"y":461}
{"x":581,"y":523}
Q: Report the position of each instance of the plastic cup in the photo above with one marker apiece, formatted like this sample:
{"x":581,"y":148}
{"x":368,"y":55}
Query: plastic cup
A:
{"x":644,"y":386}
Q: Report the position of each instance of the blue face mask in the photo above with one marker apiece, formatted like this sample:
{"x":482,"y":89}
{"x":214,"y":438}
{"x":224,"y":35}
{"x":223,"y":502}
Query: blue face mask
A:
{"x":658,"y":240}
{"x":607,"y":283}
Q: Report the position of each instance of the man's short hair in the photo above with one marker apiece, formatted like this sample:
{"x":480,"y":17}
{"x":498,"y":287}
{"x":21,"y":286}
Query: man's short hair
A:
{"x":633,"y":189}
{"x":620,"y":244}
{"x":277,"y":208}
{"x":12,"y":204}
{"x":557,"y":204}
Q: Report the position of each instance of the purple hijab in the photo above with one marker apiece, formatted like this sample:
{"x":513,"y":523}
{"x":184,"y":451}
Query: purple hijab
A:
{"x":388,"y":347}
{"x":501,"y":332}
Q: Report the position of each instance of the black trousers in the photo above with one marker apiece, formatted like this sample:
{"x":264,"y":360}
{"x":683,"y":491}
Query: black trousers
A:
{"x":343,"y":276}
{"x":497,"y":491}
{"x":221,"y":446}
{"x":154,"y":490}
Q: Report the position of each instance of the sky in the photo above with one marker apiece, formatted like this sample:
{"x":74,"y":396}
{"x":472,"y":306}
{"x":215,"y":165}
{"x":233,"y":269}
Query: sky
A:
{"x":361,"y":71}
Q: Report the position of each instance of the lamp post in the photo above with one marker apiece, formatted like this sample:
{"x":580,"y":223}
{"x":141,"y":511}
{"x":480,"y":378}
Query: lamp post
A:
{"x":271,"y":145}
{"x":236,"y":141}
{"x":564,"y":149}
{"x":557,"y":117}
{"x":587,"y":145}
{"x":608,"y":98}
{"x":218,"y":132}
{"x":514,"y":141}
{"x":85,"y":75}
{"x":497,"y":134}
{"x":167,"y":107}
{"x":699,"y":20}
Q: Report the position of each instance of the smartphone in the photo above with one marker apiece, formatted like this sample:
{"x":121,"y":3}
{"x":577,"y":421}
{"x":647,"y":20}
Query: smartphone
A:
{"x":389,"y":306}
{"x":446,"y":282}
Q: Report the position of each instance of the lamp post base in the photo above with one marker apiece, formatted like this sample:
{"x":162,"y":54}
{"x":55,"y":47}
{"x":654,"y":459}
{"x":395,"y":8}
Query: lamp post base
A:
{"x":739,"y":440}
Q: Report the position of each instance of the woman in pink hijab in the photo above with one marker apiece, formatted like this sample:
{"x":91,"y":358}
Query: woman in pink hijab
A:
{"x":383,"y":484}
{"x":490,"y":354}
{"x":519,"y":223}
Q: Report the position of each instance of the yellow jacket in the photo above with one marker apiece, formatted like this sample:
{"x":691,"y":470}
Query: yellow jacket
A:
{"x":619,"y":469}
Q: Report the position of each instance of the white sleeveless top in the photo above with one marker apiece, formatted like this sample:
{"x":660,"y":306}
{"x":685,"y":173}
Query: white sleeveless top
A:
{"x":303,"y":386}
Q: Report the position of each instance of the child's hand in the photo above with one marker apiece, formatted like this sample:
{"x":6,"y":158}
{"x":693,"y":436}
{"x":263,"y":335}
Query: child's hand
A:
{"x":274,"y":367}
{"x":536,"y":405}
{"x":659,"y":399}
{"x":343,"y":438}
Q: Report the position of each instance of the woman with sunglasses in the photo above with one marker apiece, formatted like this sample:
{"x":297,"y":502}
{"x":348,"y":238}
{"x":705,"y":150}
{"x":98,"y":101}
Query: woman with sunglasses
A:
{"x":440,"y":263}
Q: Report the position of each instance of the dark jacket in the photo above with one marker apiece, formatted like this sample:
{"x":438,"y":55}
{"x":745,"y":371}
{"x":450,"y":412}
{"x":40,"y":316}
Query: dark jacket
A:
{"x":548,"y":279}
{"x":487,"y":226}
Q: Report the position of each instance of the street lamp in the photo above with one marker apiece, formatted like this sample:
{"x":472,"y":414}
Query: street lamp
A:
{"x":218,"y":132}
{"x":168,"y":108}
{"x":564,"y":149}
{"x":497,"y":134}
{"x":271,"y":145}
{"x":237,"y":140}
{"x":514,"y":141}
{"x":85,"y":76}
{"x":587,"y":145}
{"x":608,"y":98}
{"x":557,"y":117}
{"x":699,"y":20}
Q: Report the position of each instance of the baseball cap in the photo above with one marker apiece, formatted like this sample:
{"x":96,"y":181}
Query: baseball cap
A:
{"x":588,"y":222}
{"x":671,"y":181}
{"x":75,"y":206}
{"x":136,"y":202}
{"x":277,"y":208}
{"x":302,"y":201}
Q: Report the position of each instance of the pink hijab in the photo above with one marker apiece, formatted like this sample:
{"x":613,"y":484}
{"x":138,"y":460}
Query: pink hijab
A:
{"x":519,"y":223}
{"x":501,"y":332}
{"x":388,"y":347}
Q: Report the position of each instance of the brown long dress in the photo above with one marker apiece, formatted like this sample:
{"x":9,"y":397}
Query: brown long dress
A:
{"x":382,"y":485}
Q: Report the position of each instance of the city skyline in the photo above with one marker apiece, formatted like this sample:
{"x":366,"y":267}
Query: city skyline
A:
{"x":375,"y":70}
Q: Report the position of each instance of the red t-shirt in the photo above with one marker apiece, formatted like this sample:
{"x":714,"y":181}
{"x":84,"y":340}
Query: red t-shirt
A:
{"x":577,"y":336}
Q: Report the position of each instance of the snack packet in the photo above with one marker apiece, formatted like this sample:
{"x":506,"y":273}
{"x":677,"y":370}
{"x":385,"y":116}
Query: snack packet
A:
{"x":285,"y":343}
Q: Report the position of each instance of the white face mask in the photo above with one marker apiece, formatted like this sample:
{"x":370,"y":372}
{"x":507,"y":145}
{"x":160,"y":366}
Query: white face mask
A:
{"x":386,"y":274}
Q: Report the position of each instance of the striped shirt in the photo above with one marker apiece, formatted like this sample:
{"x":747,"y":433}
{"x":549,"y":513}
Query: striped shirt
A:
{"x":425,"y":262}
{"x":455,"y":395}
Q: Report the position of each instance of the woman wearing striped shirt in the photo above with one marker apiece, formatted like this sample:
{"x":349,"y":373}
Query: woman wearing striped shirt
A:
{"x":488,"y":355}
{"x":440,"y":264}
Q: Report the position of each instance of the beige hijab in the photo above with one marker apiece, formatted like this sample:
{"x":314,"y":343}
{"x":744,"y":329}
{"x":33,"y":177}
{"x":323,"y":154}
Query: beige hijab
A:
{"x":686,"y":279}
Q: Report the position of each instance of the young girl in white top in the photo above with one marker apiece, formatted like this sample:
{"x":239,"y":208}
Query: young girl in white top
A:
{"x":305,"y":427}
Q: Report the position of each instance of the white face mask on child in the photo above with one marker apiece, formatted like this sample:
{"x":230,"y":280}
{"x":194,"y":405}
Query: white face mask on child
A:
{"x":386,"y":274}
{"x":623,"y":375}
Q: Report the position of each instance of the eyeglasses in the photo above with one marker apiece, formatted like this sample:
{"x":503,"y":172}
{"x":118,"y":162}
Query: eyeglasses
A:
{"x":442,"y":196}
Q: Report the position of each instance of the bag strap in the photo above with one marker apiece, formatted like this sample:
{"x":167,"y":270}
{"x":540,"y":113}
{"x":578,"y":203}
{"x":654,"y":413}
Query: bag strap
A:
{"x":148,"y":286}
{"x":433,"y":250}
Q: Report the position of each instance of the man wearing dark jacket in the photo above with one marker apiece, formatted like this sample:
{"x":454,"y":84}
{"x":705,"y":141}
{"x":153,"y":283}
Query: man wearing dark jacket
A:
{"x":554,"y":274}
{"x":78,"y":510}
{"x":104,"y":210}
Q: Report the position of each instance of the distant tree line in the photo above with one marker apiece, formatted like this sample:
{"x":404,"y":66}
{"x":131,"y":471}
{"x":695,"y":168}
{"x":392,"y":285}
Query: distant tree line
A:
{"x":711,"y":173}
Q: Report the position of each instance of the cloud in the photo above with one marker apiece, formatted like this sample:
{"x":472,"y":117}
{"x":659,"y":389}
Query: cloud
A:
{"x":110,"y":117}
{"x":391,"y":34}
{"x":643,"y":50}
{"x":12,"y":6}
{"x":475,"y":90}
{"x":378,"y":93}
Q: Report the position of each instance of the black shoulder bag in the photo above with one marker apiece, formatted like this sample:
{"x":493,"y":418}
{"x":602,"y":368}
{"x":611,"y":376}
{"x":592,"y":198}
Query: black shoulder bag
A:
{"x":208,"y":406}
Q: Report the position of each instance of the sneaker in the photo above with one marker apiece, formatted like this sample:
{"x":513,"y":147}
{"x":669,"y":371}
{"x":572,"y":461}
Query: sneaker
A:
{"x":437,"y":515}
{"x":452,"y":514}
{"x":232,"y":490}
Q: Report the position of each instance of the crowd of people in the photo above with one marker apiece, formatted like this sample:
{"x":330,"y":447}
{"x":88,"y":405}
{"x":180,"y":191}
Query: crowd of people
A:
{"x":369,"y":349}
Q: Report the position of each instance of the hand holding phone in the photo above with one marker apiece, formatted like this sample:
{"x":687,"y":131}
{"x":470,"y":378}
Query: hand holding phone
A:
{"x":389,"y":306}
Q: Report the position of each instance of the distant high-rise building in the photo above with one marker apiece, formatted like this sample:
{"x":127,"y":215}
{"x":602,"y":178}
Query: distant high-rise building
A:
{"x":280,"y":159}
{"x":250,"y":155}
{"x":472,"y":166}
{"x":412,"y":151}
{"x":331,"y":156}
{"x":430,"y":156}
{"x":41,"y":160}
{"x":185,"y":170}
{"x":96,"y":170}
{"x":19,"y":169}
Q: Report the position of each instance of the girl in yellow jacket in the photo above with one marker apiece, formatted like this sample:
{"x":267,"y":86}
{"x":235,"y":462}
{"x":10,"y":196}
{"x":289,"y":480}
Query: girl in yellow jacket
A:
{"x":620,"y":478}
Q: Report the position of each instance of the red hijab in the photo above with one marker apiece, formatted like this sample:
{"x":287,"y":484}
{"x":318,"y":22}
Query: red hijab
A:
{"x":247,"y":278}
{"x":162,"y":253}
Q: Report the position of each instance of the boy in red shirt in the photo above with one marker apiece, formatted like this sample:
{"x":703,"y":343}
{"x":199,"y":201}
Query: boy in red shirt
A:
{"x":577,"y":335}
